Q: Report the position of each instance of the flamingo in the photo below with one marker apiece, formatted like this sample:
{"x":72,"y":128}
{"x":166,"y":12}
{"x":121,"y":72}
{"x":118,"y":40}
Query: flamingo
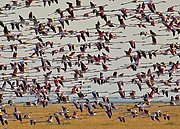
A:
{"x":166,"y":116}
{"x":33,"y":121}
{"x":3,"y":120}
{"x":79,"y":62}
{"x":78,"y":3}
{"x":151,"y":7}
{"x":133,"y":112}
{"x":57,"y":119}
{"x":109,"y":114}
{"x":76,"y":103}
{"x":17,"y":114}
{"x":133,"y":94}
{"x":121,"y":93}
{"x":158,"y":113}
{"x":74,"y":115}
{"x":154,"y":117}
{"x":50,"y":119}
{"x":121,"y":119}
{"x":49,"y":2}
{"x":90,"y":111}
{"x":27,"y":116}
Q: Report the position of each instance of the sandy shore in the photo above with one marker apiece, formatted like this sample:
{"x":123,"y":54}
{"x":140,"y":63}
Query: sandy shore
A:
{"x":84,"y":120}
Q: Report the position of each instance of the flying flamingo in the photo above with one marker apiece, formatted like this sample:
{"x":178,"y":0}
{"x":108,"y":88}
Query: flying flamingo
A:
{"x":33,"y":121}
{"x":154,"y":117}
{"x":57,"y":119}
{"x":121,"y":119}
{"x":3,"y":120}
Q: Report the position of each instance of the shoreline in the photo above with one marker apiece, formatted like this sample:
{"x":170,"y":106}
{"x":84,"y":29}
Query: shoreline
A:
{"x":176,"y":103}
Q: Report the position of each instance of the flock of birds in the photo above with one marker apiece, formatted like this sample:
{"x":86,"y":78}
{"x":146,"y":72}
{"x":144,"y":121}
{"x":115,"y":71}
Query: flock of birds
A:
{"x":93,"y":109}
{"x":41,"y":59}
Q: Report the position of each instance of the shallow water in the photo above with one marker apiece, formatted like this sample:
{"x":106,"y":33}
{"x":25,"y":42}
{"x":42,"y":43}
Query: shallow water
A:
{"x":94,"y":70}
